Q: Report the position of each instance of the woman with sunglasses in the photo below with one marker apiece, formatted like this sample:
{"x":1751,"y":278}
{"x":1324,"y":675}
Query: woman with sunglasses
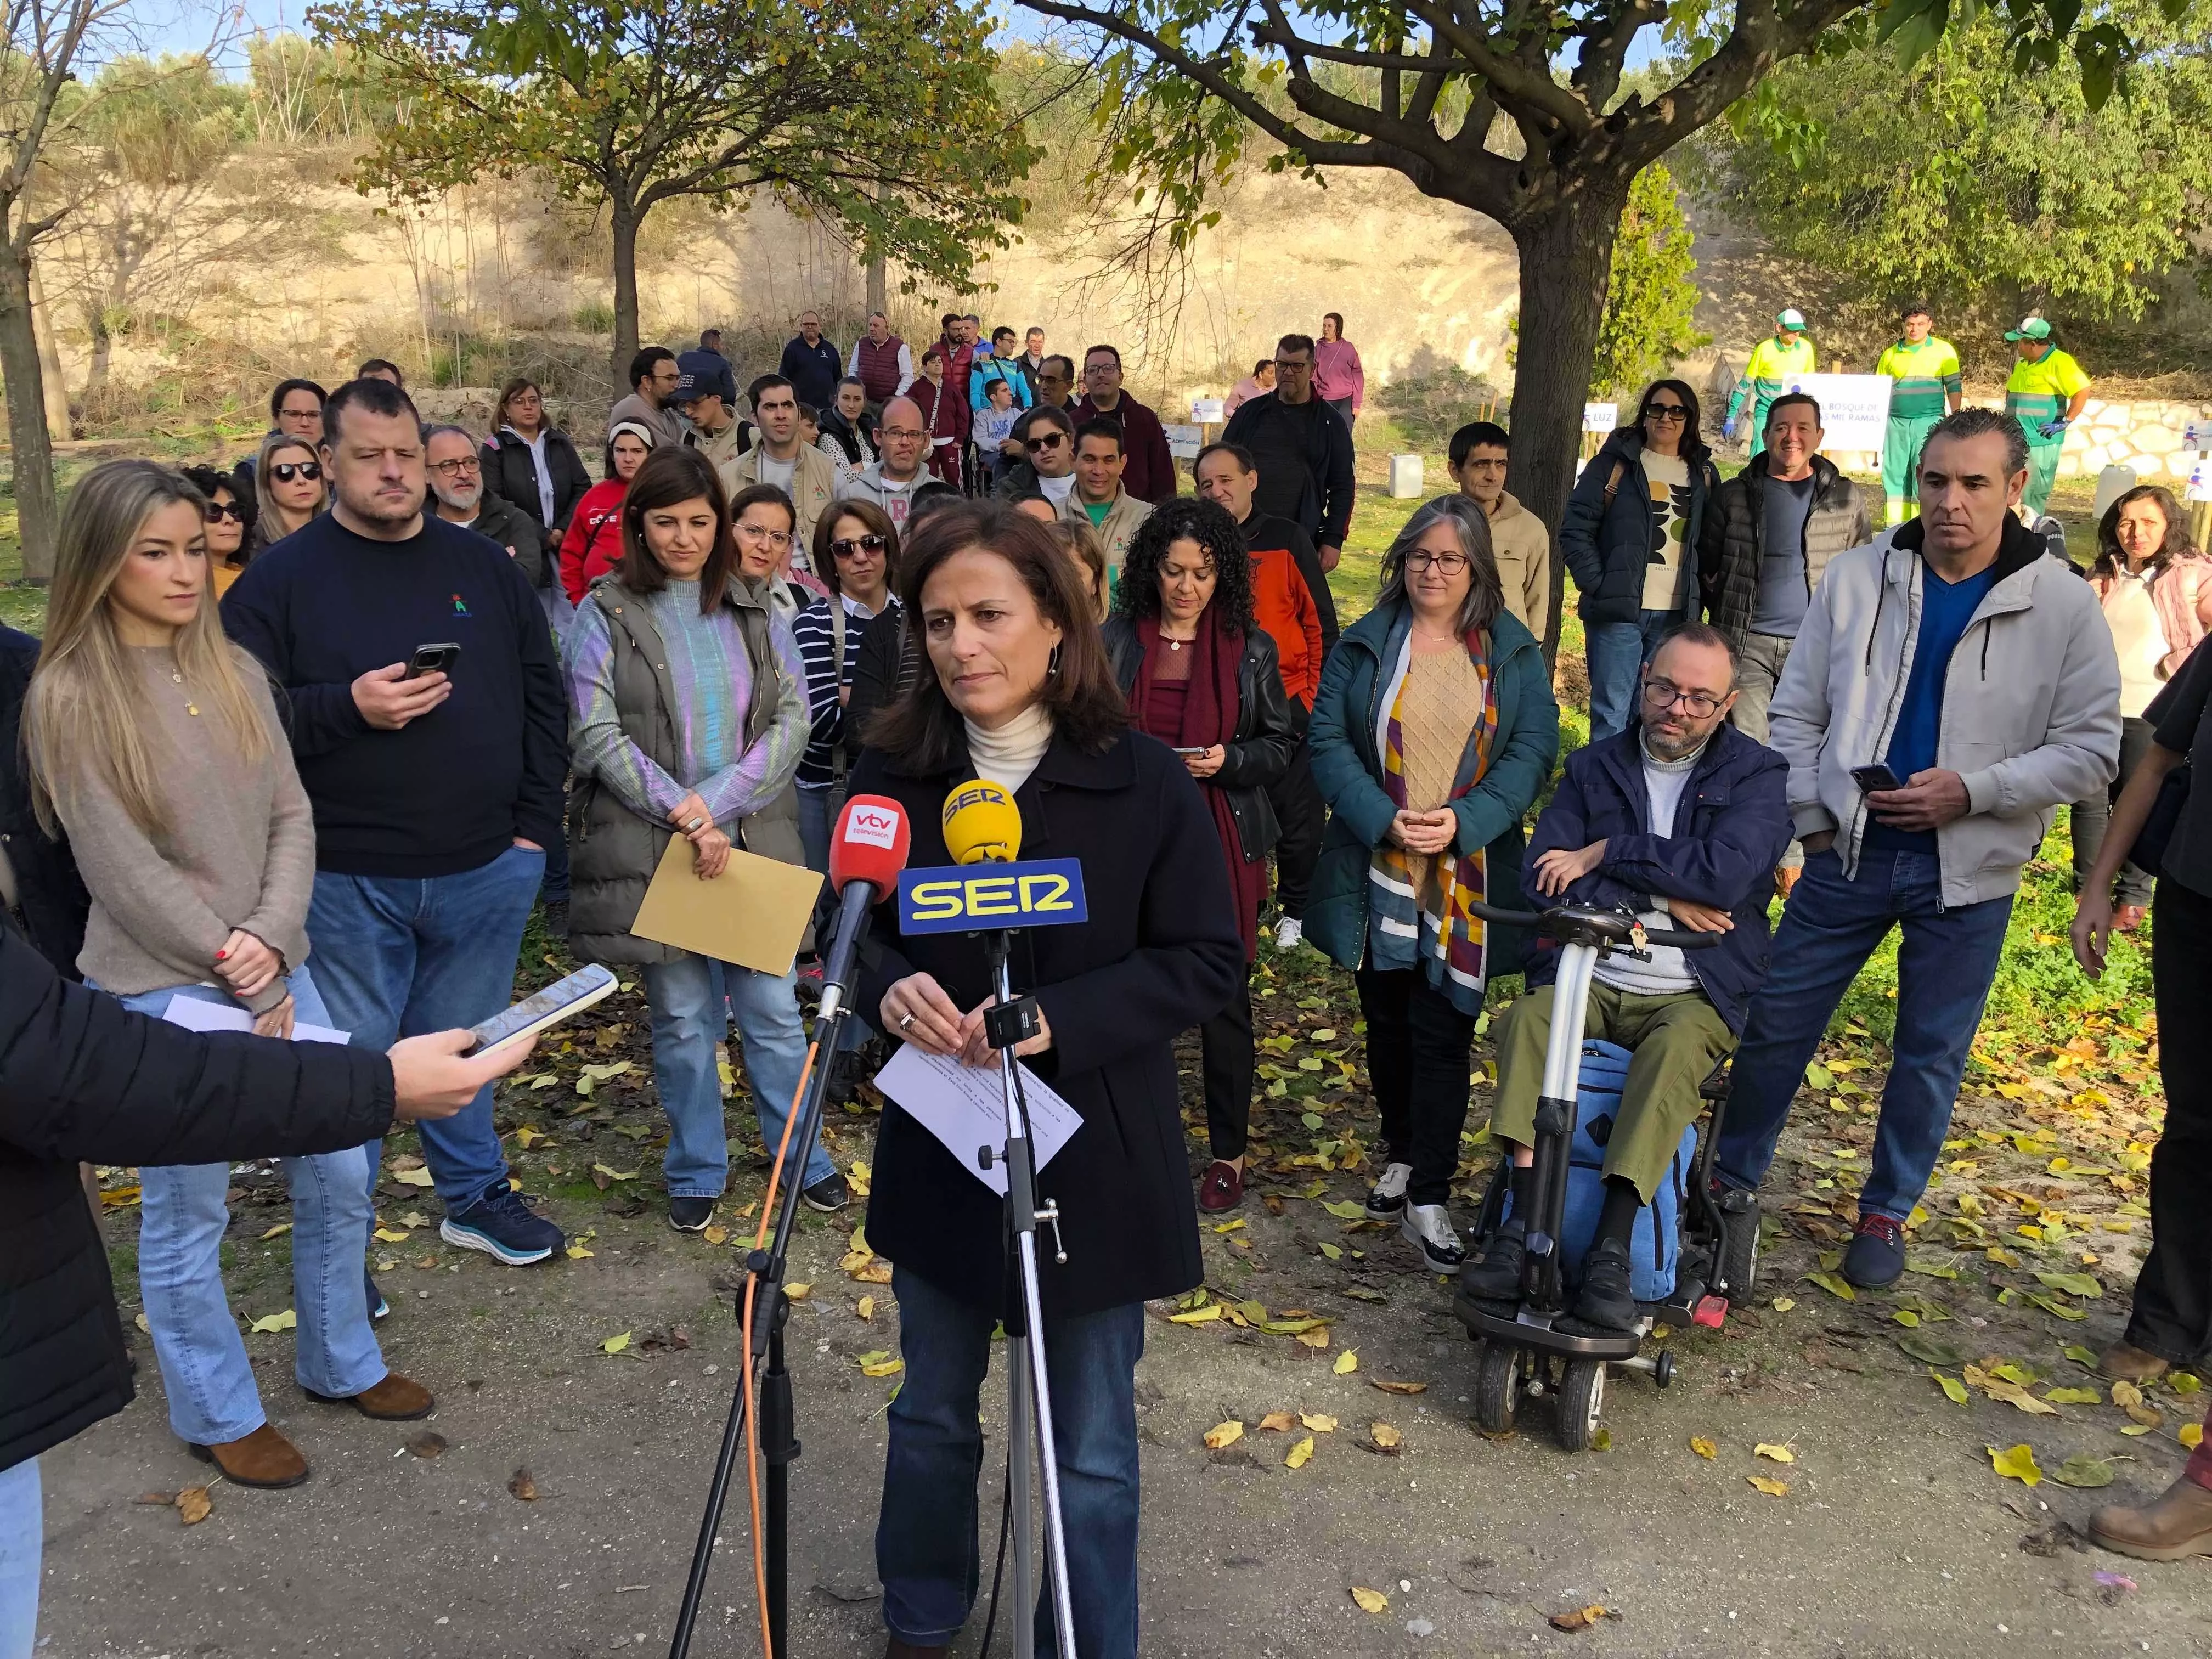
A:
{"x":288,"y":487}
{"x":1047,"y":435}
{"x":856,"y":554}
{"x":1627,"y":534}
{"x":228,"y":519}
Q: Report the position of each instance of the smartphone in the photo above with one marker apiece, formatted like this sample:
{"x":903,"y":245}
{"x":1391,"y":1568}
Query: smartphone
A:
{"x":1877,"y":776}
{"x":563,"y":1000}
{"x":1201,"y":750}
{"x":433,"y":660}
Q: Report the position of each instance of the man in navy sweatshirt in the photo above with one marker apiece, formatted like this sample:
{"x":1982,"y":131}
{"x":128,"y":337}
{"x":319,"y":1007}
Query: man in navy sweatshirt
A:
{"x":435,"y":795}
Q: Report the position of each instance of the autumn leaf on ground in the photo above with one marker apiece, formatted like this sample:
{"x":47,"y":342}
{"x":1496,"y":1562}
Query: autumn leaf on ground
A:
{"x":1278,"y":1422}
{"x":881,"y":1363}
{"x":412,"y":1177}
{"x":1834,"y":1287}
{"x":391,"y":1235}
{"x":1371,"y":1600}
{"x":615,"y":1344}
{"x":1778,"y":1454}
{"x":521,"y":1484}
{"x":1347,"y":1211}
{"x":277,"y":1231}
{"x":2072,"y":1396}
{"x":2016,"y":1464}
{"x":1319,"y":1422}
{"x":2081,"y":1356}
{"x":1771,"y":1488}
{"x":2083,"y":1470}
{"x":1581,"y":1618}
{"x":429,"y":1443}
{"x":716,"y":1235}
{"x":1346,"y":1363}
{"x":1704,"y":1448}
{"x":1953,"y":1390}
{"x":1301,"y":1454}
{"x":1784,"y":1303}
{"x":798,"y":1292}
{"x":1205,"y":1315}
{"x":1398,"y":1387}
{"x":1316,"y":1338}
{"x":865,"y":1307}
{"x":578,"y":1253}
{"x":2191,"y":1434}
{"x":1384,"y":1438}
{"x":2125,"y":1393}
{"x":287,"y":1321}
{"x":193,"y":1505}
{"x":1223,"y":1434}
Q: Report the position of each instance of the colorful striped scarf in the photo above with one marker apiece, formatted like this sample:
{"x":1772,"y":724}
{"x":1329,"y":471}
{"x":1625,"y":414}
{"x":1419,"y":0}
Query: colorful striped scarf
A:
{"x":1403,"y":931}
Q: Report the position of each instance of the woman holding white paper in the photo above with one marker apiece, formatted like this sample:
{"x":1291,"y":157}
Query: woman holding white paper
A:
{"x":688,"y":715}
{"x":155,"y":744}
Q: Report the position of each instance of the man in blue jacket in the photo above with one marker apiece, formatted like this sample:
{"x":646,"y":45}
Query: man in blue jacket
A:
{"x":1681,"y":819}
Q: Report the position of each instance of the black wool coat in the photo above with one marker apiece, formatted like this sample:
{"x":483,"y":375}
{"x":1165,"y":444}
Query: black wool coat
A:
{"x":82,"y":1080}
{"x":509,"y":474}
{"x":1159,"y":954}
{"x":48,"y":888}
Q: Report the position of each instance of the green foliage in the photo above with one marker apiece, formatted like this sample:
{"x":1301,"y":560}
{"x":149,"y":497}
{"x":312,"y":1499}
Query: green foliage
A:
{"x":1651,"y":297}
{"x":1430,"y":408}
{"x":1961,"y":179}
{"x":594,"y":317}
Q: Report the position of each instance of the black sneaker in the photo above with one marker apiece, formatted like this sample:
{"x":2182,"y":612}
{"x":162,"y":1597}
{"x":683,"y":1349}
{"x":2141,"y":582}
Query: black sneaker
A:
{"x":557,"y":920}
{"x":830,"y":1194}
{"x":378,"y":1307}
{"x":1497,"y":1276}
{"x":691,"y":1215}
{"x":1875,"y":1258}
{"x":1607,"y":1298}
{"x":503,"y":1227}
{"x":1386,"y":1201}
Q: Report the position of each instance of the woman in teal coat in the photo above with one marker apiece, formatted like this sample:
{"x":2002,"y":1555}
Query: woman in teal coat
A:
{"x":1433,"y":732}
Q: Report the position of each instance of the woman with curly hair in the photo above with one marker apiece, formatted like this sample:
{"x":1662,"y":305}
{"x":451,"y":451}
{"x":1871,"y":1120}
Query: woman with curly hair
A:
{"x":1201,"y":677}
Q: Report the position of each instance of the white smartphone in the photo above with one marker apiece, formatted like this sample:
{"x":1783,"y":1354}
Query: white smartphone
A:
{"x":563,"y":999}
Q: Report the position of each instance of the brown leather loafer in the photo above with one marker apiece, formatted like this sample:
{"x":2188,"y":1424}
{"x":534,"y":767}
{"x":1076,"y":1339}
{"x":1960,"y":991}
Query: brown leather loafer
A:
{"x":396,"y":1400}
{"x":264,"y":1458}
{"x":2124,"y":1362}
{"x":2178,"y":1526}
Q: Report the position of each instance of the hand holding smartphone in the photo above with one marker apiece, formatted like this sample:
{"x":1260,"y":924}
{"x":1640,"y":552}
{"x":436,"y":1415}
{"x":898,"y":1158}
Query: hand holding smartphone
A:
{"x":563,"y":999}
{"x":1877,"y":776}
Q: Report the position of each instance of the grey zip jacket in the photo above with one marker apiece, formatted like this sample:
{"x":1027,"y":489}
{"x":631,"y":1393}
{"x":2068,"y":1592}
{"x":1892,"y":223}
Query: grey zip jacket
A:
{"x":2031,"y":705}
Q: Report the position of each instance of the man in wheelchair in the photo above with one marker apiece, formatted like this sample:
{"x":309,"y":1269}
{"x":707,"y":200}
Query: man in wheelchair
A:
{"x":1681,"y":819}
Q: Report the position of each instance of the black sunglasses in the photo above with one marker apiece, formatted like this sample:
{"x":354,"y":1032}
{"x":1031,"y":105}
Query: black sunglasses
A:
{"x":230,"y":510}
{"x":850,"y":548}
{"x":285,"y":472}
{"x":1667,"y":411}
{"x":1049,"y":441}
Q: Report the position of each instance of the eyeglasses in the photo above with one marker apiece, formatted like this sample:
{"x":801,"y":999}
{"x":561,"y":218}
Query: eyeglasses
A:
{"x":1665,"y":412}
{"x":1089,"y":369}
{"x":1296,"y":365}
{"x":850,"y":548}
{"x":1045,"y":445}
{"x":290,"y":414}
{"x":754,"y":533}
{"x":1451,"y":564}
{"x":231,"y":510}
{"x":1662,"y":694}
{"x":285,"y":472}
{"x":908,"y":432}
{"x":454,"y":469}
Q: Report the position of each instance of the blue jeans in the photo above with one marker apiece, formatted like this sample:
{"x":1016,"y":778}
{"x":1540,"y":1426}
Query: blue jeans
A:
{"x":22,"y":1543}
{"x":1616,"y":654}
{"x":1946,"y":961}
{"x":926,"y":1546}
{"x":400,"y":957}
{"x":204,"y":1368}
{"x":686,"y":999}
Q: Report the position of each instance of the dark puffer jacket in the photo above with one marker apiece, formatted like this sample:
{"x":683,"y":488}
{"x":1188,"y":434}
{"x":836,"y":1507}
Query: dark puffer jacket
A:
{"x":48,"y":890}
{"x":1608,"y":529}
{"x":509,"y":474}
{"x":82,"y":1080}
{"x":612,"y":852}
{"x":1733,"y":539}
{"x":1267,"y":735}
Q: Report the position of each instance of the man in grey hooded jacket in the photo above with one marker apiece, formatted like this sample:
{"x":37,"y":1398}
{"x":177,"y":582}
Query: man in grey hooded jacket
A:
{"x":1978,"y":672}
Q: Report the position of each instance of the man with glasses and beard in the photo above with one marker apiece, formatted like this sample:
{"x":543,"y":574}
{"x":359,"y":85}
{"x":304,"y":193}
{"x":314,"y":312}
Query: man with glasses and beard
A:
{"x":890,"y":483}
{"x":1150,"y":474}
{"x":1303,"y":449}
{"x":1056,"y":383}
{"x":456,"y":468}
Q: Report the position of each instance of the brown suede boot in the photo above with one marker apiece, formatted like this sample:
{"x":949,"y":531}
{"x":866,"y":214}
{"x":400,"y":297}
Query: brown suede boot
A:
{"x":264,"y":1458}
{"x":2178,"y":1526}
{"x":2124,"y":1362}
{"x":395,"y":1400}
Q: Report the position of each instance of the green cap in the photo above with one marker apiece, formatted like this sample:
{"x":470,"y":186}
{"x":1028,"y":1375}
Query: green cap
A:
{"x":1792,"y":318}
{"x":2031,"y":328}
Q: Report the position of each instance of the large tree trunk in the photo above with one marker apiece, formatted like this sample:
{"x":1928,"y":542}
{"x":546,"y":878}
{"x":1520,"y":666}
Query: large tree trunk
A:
{"x":878,"y":285}
{"x":33,"y":460}
{"x":1566,"y":256}
{"x":626,"y":341}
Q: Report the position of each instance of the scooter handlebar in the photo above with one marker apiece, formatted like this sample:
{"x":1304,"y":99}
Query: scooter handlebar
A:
{"x":1553,"y":922}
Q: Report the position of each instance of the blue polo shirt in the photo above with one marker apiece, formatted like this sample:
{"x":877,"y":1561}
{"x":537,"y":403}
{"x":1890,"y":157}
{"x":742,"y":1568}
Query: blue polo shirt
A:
{"x":1946,"y":609}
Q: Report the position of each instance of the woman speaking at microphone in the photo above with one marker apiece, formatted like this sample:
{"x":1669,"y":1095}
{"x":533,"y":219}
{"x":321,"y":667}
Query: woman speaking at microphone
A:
{"x":1201,"y":679}
{"x":1018,"y":691}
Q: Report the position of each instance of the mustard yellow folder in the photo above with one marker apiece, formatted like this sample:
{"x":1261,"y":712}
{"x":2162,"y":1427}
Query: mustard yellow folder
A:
{"x":754,"y":914}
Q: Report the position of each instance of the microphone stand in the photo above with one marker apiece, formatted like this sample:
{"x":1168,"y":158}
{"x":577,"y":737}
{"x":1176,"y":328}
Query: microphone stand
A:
{"x":1029,"y":1392}
{"x":779,"y":1423}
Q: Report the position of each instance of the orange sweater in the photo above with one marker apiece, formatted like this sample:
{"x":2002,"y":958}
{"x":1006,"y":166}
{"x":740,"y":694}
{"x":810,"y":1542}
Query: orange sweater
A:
{"x":1291,"y":600}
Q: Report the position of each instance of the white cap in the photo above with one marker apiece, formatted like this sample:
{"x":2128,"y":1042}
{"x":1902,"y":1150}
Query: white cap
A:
{"x":1790,"y":318}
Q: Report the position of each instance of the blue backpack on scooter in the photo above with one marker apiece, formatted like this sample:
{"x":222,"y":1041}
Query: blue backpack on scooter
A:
{"x":1656,"y":1244}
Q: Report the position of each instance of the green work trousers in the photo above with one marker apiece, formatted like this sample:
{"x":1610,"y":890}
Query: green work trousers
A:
{"x":1900,"y":462}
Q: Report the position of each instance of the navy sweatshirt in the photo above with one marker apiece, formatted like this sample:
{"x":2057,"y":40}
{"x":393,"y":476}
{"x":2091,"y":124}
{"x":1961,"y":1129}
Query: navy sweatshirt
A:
{"x":449,"y":792}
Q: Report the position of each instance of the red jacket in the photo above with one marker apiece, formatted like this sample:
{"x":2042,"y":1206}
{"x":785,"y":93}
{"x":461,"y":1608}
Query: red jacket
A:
{"x":1291,"y":599}
{"x":1151,"y":473}
{"x":594,"y":544}
{"x":940,"y":411}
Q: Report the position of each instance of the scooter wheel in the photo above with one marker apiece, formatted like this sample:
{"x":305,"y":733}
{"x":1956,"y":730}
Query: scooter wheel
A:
{"x":1496,"y":1386}
{"x":1663,"y":1369}
{"x":1582,"y":1402}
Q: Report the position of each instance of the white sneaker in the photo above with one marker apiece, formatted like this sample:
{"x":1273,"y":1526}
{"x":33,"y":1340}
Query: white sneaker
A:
{"x":1386,"y":1201}
{"x":1429,"y":1226}
{"x":1290,"y":934}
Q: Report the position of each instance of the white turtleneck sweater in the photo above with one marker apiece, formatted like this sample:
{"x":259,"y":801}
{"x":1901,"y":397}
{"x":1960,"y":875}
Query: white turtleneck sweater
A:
{"x":1008,"y":755}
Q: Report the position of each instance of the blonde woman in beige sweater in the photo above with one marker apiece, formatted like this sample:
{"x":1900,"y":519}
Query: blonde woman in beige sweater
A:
{"x":155,"y":743}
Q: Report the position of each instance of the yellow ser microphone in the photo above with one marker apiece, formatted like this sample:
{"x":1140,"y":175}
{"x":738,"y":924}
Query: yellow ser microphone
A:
{"x":981,"y":824}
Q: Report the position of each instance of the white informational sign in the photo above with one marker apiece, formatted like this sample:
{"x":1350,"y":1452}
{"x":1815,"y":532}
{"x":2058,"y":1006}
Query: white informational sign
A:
{"x":1205,"y":411}
{"x":1854,"y":408}
{"x":1600,"y":417}
{"x":1185,"y":442}
{"x":965,"y":1107}
{"x":2200,"y":481}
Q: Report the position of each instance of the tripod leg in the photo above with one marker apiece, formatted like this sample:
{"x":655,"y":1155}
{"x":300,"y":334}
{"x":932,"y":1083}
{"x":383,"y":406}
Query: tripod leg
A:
{"x":779,"y":1446}
{"x":1018,"y":1446}
{"x":718,"y":1493}
{"x":1055,"y":1537}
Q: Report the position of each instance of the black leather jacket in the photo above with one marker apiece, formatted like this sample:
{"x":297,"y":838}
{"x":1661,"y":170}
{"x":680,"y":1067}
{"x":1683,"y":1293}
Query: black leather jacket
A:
{"x":1266,"y":732}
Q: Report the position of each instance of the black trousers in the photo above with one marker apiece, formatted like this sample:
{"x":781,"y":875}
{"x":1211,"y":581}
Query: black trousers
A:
{"x":1226,"y":1059}
{"x":1420,"y":1049}
{"x":2172,"y":1313}
{"x":1303,"y":814}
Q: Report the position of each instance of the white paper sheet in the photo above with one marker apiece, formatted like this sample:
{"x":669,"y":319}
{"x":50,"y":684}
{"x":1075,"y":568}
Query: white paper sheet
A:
{"x":195,"y":1015}
{"x":965,"y":1107}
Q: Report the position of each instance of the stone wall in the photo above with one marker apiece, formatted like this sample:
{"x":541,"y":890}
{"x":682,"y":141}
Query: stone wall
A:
{"x":2161,"y":440}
